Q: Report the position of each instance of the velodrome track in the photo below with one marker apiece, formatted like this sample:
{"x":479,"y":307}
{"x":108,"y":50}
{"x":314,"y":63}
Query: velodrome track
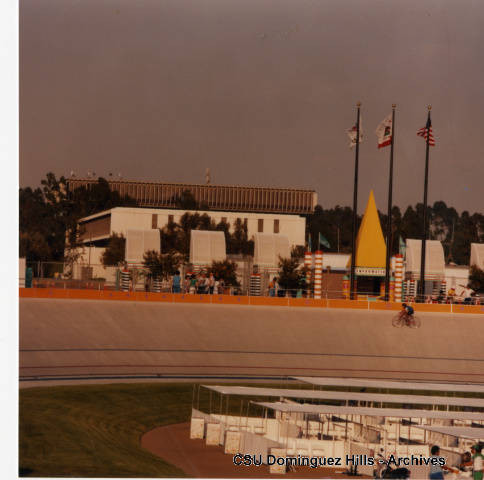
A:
{"x":69,"y":338}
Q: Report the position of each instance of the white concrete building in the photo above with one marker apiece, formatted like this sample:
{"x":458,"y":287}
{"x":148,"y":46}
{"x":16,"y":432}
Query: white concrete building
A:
{"x":97,"y":228}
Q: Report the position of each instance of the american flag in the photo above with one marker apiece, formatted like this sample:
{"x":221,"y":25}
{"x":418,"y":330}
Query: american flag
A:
{"x":423,"y":133}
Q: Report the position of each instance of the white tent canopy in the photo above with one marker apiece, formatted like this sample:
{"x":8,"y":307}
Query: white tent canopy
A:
{"x":362,"y":382}
{"x":268,"y":247}
{"x":461,"y":432}
{"x":345,"y":396}
{"x":434,"y":257}
{"x":477,"y":255}
{"x":370,"y":412}
{"x":206,"y":247}
{"x":140,"y":241}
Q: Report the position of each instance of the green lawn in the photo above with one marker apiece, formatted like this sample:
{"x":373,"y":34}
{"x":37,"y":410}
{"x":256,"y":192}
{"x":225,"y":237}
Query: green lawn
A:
{"x":95,"y":431}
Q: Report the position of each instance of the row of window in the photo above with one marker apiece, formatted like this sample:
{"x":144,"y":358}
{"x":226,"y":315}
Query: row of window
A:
{"x":260,"y":222}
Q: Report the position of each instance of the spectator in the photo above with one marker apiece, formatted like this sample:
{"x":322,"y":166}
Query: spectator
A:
{"x":272,"y":287}
{"x":211,"y":284}
{"x":436,"y":472}
{"x":477,"y":462}
{"x":466,"y":294}
{"x":216,"y":287}
{"x":193,"y":285}
{"x":176,"y":282}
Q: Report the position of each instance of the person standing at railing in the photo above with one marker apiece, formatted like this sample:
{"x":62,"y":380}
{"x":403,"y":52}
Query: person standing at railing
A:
{"x":176,"y":282}
{"x":272,"y":287}
{"x":211,"y":284}
{"x":477,"y":462}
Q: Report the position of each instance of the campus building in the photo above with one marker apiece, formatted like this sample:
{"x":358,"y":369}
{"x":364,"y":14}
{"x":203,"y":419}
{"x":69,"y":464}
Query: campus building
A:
{"x":96,"y":229}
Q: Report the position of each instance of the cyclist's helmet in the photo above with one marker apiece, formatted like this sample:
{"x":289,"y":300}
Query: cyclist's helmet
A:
{"x":404,"y":305}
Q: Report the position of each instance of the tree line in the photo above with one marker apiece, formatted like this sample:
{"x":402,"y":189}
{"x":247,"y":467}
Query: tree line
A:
{"x":48,"y":216}
{"x":456,"y":232}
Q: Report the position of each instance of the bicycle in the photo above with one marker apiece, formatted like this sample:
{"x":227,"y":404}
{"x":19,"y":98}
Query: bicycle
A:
{"x":406,"y":320}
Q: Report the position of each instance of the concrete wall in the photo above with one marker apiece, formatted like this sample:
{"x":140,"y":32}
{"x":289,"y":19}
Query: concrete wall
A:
{"x":124,"y":337}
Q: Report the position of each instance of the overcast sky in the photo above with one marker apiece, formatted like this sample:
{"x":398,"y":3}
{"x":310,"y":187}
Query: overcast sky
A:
{"x":260,"y":91}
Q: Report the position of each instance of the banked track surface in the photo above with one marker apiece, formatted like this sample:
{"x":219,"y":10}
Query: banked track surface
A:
{"x":60,"y":338}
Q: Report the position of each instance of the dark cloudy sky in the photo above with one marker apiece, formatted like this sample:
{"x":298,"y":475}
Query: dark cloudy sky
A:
{"x":259,"y":91}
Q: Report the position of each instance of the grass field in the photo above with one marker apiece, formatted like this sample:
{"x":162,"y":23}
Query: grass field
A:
{"x":94,"y":431}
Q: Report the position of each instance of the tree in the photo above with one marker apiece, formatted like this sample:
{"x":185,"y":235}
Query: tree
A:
{"x":114,"y":253}
{"x":47,"y":214}
{"x":239,"y":242}
{"x":226,"y":271}
{"x":186,"y":201}
{"x":291,"y":276}
{"x":161,"y":265}
{"x":297,"y":252}
{"x":476,"y":279}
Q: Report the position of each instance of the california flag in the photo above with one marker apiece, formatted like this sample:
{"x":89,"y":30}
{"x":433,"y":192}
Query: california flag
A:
{"x":352,"y":134}
{"x":384,"y":132}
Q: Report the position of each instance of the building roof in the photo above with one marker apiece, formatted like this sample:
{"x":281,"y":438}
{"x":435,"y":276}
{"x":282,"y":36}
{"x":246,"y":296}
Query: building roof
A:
{"x":370,"y":244}
{"x":216,"y":197}
{"x":346,"y":396}
{"x":472,"y":433}
{"x":402,"y":385}
{"x":371,"y":412}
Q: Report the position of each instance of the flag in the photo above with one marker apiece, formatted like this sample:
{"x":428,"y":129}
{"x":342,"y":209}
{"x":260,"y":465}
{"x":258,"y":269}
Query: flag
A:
{"x":401,"y":245}
{"x":310,"y":247}
{"x":352,"y":134}
{"x":423,"y":132}
{"x":323,"y":241}
{"x":384,"y":132}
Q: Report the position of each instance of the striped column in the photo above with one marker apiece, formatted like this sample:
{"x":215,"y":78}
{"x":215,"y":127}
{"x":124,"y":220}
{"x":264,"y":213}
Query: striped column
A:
{"x":255,"y":283}
{"x":157,"y":285}
{"x":318,"y":273}
{"x":125,"y":277}
{"x":308,"y":263}
{"x":398,"y":277}
{"x":443,"y":287}
{"x":412,"y":289}
{"x":391,"y":295}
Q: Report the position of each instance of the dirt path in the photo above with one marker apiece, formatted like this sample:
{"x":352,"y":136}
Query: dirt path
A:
{"x":173,"y":444}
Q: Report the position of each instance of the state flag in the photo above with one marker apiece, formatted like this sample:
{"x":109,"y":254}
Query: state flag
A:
{"x":384,"y":132}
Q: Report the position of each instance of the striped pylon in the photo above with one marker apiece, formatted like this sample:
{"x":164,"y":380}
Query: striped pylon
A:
{"x":318,"y":273}
{"x":398,"y":277}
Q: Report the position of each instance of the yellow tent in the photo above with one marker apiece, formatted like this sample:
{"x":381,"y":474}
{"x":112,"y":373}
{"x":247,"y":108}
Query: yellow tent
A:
{"x":370,"y":244}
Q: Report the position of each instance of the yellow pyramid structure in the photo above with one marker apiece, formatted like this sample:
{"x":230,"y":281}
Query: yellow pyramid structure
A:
{"x":370,"y":245}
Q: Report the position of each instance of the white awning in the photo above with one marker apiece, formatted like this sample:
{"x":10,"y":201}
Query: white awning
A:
{"x":370,"y":412}
{"x":463,"y":432}
{"x":268,"y":247}
{"x":362,"y":382}
{"x":345,"y":396}
{"x":477,"y":255}
{"x":207,"y":246}
{"x":434,"y":257}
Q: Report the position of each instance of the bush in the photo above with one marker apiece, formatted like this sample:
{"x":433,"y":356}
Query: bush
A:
{"x":225,"y":271}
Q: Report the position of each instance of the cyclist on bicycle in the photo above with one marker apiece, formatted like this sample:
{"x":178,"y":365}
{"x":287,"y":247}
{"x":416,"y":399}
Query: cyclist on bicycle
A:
{"x":407,"y":313}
